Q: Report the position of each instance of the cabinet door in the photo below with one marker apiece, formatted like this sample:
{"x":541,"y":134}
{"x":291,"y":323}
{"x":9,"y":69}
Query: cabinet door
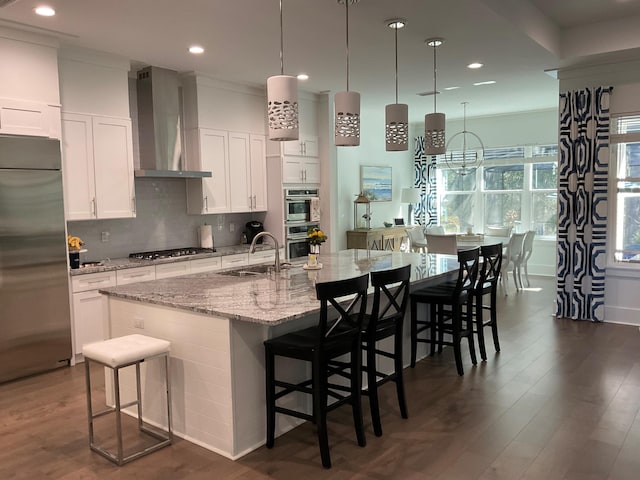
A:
{"x":167,"y":270}
{"x":310,"y":146}
{"x":113,"y":160}
{"x":292,"y":169}
{"x":240,"y":172}
{"x":311,"y":170}
{"x":258,"y":172}
{"x":292,"y":147}
{"x":205,"y":264}
{"x":78,"y":171}
{"x":210,"y":195}
{"x":89,"y":318}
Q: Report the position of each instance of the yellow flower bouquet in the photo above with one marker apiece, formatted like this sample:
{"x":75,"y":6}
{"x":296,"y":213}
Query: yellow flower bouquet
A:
{"x":316,"y":236}
{"x":74,"y":243}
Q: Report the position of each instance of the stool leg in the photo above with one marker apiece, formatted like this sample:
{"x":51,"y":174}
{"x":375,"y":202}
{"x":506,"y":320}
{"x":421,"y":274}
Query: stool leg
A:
{"x":320,"y":408}
{"x":433,"y":318}
{"x":139,"y":395}
{"x":440,"y":319}
{"x":269,"y":364}
{"x":116,"y":389}
{"x":455,"y":334}
{"x":356,"y":389}
{"x":373,"y":387}
{"x":480,"y":325}
{"x":167,"y":372}
{"x":398,"y":367}
{"x":89,"y":403}
{"x":469,"y":327}
{"x":494,"y":319}
{"x":414,"y":331}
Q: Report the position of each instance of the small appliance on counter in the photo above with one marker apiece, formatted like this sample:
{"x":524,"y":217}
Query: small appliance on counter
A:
{"x":253,"y":228}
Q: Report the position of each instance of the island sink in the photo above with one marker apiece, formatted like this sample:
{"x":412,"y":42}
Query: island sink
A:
{"x":252,"y":270}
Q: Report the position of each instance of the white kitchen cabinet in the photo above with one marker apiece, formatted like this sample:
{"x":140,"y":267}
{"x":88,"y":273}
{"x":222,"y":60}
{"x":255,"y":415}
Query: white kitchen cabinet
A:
{"x":167,"y":270}
{"x":304,"y":147}
{"x":133,"y":275}
{"x":205,"y":264}
{"x":300,"y":169}
{"x":98,"y":167}
{"x":20,"y":117}
{"x":92,"y":281}
{"x":208,"y":150}
{"x":247,"y":172}
{"x":265,"y":256}
{"x":236,"y":260}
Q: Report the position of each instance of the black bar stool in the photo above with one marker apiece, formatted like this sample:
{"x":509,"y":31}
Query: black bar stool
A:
{"x":331,"y":338}
{"x":488,"y":284}
{"x":456,"y":321}
{"x":386,"y":320}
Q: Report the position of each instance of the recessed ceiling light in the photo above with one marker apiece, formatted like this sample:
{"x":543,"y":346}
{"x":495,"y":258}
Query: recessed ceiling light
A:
{"x":451,"y":88}
{"x":196,"y":49}
{"x":303,"y":76}
{"x":396,"y":23}
{"x":45,"y":11}
{"x":474,"y":65}
{"x":488,"y":82}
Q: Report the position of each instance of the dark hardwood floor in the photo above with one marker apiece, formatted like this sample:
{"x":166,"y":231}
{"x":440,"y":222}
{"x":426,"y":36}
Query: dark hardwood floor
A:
{"x":560,"y":401}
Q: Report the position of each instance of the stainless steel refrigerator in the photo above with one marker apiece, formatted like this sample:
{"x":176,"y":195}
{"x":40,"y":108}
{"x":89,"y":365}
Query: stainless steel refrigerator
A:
{"x":35,"y":326}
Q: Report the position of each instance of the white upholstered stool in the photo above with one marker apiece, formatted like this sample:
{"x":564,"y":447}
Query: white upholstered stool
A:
{"x":115,"y":354}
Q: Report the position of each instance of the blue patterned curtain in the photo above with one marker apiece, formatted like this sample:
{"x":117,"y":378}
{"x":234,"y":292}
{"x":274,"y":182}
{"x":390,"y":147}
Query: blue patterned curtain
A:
{"x":583,"y":166}
{"x":425,"y":179}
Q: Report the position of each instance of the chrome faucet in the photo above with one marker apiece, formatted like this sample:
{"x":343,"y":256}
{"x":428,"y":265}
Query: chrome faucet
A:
{"x":252,"y":248}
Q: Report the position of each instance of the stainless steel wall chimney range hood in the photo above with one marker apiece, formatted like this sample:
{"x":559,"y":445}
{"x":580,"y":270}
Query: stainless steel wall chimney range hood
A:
{"x":159,"y":125}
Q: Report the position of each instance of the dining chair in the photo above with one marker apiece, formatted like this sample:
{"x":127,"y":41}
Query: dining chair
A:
{"x":417,"y":240}
{"x":442,"y":244}
{"x":498,"y":231}
{"x":487,"y":284}
{"x":436,"y":230}
{"x":456,"y":320}
{"x":337,"y":333}
{"x":527,"y":250}
{"x":511,"y":260}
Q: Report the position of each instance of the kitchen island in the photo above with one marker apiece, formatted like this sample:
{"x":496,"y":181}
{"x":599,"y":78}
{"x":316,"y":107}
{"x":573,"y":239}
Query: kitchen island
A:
{"x":216,"y":323}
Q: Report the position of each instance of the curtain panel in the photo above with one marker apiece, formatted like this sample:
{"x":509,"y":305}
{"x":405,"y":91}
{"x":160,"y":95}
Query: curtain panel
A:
{"x":583,"y":166}
{"x":424,"y":178}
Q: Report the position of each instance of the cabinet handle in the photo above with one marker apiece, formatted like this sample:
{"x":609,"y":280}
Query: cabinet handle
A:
{"x":206,"y":204}
{"x":304,"y":148}
{"x":255,"y":202}
{"x":93,"y":282}
{"x":94,"y":207}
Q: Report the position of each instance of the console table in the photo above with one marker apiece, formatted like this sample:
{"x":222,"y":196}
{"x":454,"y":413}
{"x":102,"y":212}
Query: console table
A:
{"x":377,"y":238}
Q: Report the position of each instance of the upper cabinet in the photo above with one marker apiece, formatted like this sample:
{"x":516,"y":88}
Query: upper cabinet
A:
{"x":97,"y":141}
{"x":224,"y":135}
{"x":29,"y":93}
{"x":304,"y":147}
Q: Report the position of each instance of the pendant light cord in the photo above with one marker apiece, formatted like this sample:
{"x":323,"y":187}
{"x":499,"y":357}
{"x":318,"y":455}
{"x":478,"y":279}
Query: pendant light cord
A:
{"x":346,"y":4}
{"x":281,"y":43}
{"x":435,"y":84}
{"x":395,"y":30}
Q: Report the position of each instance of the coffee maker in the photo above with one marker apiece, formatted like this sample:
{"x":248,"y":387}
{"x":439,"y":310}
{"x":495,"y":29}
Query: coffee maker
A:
{"x":253,"y":228}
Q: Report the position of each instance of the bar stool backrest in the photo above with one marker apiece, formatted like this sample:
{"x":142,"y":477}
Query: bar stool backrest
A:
{"x":395,"y":303}
{"x":491,"y":262}
{"x":469,"y":261}
{"x":348,"y":321}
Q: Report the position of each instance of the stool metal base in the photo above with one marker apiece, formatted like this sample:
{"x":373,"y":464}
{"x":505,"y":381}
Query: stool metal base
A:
{"x":164,"y":438}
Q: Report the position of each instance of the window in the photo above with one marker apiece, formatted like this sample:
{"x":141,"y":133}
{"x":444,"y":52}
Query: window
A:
{"x":516,"y":186}
{"x":625,"y":150}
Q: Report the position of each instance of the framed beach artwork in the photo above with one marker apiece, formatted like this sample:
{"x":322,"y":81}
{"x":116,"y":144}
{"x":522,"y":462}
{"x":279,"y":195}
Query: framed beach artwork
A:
{"x":375,"y":183}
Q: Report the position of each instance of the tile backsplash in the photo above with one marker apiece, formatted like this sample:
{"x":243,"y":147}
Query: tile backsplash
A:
{"x":161,"y":223}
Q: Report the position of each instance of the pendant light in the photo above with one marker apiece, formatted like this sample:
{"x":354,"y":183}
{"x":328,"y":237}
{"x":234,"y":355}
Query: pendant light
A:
{"x":282,"y":101}
{"x":347,"y":104}
{"x":468,"y":153}
{"x":396,"y":114}
{"x":434,"y":123}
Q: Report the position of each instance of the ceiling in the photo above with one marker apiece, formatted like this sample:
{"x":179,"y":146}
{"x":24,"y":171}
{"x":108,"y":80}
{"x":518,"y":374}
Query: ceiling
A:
{"x":516,"y":40}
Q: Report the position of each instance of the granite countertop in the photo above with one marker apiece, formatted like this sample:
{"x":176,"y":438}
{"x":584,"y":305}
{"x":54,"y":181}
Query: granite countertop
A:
{"x":271,"y":299}
{"x":122,"y":263}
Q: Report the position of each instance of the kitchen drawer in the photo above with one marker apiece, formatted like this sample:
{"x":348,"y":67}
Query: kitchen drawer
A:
{"x":93,"y":281}
{"x":237,"y":260}
{"x":205,"y":264}
{"x":138,"y":274}
{"x":176,"y":269}
{"x":263,"y":256}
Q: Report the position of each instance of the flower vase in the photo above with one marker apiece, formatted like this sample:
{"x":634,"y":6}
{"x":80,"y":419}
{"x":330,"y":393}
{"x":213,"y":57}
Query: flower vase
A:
{"x":313,"y":259}
{"x":74,"y":259}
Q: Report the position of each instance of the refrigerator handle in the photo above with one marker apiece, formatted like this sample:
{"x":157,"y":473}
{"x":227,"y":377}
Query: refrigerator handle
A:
{"x":133,"y":204}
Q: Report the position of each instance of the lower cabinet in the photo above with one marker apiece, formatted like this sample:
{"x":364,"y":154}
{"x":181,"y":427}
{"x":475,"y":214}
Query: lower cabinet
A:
{"x":90,"y":318}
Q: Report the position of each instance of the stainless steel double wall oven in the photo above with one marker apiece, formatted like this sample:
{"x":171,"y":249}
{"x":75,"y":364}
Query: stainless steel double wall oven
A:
{"x":301,"y":214}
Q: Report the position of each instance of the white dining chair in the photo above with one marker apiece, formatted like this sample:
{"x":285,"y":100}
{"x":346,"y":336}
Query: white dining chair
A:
{"x":417,"y":242}
{"x":527,"y":250}
{"x":511,"y":261}
{"x":442,"y":244}
{"x":498,"y":231}
{"x":435,"y":230}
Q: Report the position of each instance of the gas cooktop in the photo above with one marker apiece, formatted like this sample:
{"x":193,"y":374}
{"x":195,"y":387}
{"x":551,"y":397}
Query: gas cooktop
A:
{"x":174,"y":252}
